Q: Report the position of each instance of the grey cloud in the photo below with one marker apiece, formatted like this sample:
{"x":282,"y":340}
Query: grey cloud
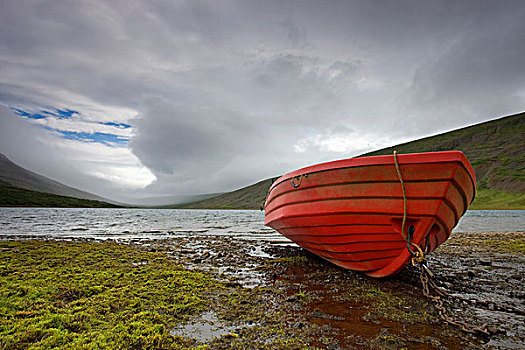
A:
{"x":226,"y":89}
{"x":246,"y":116}
{"x":202,"y":146}
{"x":478,"y":77}
{"x":172,"y":137}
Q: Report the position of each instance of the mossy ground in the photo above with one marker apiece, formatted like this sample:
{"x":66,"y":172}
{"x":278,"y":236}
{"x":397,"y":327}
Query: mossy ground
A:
{"x":73,"y":295}
{"x":98,"y":296}
{"x":67,"y":295}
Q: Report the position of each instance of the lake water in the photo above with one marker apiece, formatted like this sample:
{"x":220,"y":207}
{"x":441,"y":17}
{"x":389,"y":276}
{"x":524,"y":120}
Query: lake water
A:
{"x":164,"y":223}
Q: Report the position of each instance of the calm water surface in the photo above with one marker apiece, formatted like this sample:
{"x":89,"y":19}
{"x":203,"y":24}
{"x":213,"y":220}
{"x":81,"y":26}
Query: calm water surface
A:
{"x":164,"y":223}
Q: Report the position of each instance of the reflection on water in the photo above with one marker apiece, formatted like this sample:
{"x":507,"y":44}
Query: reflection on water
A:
{"x":206,"y":327}
{"x":163,"y":223}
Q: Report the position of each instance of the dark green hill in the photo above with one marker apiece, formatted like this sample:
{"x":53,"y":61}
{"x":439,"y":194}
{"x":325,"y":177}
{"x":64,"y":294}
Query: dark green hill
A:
{"x":20,"y":197}
{"x":21,"y":187}
{"x":496,"y":150}
{"x":14,"y":175}
{"x":246,"y":198}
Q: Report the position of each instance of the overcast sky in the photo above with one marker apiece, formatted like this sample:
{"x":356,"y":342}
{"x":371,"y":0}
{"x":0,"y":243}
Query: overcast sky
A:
{"x":127,"y":98}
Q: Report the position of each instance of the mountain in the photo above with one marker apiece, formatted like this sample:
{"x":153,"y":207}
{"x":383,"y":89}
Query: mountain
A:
{"x":168,"y":200}
{"x":245,"y":198}
{"x":18,"y":197}
{"x":17,"y":182}
{"x":496,"y":150}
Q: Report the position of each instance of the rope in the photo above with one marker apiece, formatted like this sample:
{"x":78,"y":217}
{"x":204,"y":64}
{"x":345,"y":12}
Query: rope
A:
{"x":418,"y":259}
{"x":404,"y":196}
{"x":418,"y":255}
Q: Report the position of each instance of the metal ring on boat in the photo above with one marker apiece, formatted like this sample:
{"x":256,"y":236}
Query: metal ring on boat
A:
{"x":299,"y":178}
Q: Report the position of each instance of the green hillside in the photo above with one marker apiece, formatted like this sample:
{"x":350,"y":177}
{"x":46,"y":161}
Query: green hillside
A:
{"x":20,"y":187}
{"x":246,"y":198}
{"x":19,"y":197}
{"x":14,"y":175}
{"x":496,"y":150}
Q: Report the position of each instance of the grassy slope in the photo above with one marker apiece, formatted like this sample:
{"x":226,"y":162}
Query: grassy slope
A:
{"x":494,"y":148}
{"x":19,"y":197}
{"x":496,"y":151}
{"x":245,"y":198}
{"x":495,"y":199}
{"x":14,"y":175}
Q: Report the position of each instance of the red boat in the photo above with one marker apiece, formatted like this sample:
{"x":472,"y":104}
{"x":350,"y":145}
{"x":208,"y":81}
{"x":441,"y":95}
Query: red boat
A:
{"x":351,"y":212}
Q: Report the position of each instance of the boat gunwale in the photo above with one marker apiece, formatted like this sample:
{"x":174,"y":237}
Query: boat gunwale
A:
{"x":403,"y":159}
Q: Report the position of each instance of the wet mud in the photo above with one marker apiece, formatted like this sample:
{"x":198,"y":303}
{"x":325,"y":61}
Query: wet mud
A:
{"x":332,"y":308}
{"x":282,"y":296}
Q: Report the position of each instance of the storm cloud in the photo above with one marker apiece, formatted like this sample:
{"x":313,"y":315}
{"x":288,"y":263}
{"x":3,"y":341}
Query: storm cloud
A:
{"x":207,"y":96}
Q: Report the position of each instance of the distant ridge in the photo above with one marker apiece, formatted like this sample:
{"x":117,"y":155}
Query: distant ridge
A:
{"x":19,"y":197}
{"x":496,"y":150}
{"x":245,"y":198}
{"x":167,"y":201}
{"x":15,"y":177}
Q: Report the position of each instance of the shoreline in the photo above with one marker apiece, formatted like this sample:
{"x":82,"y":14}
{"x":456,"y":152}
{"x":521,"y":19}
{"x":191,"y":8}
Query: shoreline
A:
{"x":281,"y":296}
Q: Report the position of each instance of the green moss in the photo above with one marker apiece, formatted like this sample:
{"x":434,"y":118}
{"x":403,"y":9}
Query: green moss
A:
{"x":69,"y":295}
{"x":66,"y":295}
{"x":388,"y":341}
{"x":512,"y":245}
{"x":301,"y":294}
{"x":397,"y":309}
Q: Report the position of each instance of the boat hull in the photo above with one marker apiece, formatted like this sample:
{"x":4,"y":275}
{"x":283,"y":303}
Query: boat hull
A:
{"x":350,"y":212}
